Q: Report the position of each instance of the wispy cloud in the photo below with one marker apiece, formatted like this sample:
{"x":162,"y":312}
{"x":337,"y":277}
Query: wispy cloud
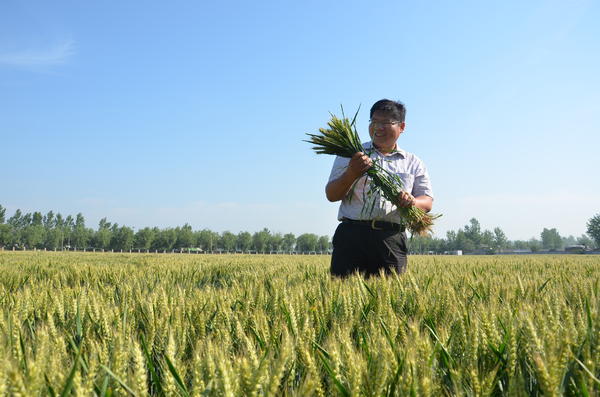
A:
{"x":56,"y":54}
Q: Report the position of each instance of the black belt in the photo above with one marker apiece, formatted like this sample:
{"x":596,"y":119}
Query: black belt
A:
{"x":376,"y":225}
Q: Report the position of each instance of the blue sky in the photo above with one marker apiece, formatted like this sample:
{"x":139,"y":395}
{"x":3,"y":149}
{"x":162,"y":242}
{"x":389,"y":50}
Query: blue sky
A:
{"x":156,"y":113}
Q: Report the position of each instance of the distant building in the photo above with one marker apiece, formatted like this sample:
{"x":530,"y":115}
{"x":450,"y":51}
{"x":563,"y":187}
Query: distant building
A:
{"x":575,"y":249}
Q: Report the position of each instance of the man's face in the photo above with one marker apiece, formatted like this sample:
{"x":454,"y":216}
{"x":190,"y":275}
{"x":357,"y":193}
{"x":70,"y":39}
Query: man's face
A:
{"x":385,"y":131}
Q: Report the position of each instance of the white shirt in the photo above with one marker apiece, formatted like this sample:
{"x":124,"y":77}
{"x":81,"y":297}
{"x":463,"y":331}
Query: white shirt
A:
{"x":407,"y":166}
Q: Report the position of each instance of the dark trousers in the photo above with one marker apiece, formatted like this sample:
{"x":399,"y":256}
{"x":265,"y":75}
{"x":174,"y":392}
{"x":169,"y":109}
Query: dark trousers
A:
{"x":359,"y":248}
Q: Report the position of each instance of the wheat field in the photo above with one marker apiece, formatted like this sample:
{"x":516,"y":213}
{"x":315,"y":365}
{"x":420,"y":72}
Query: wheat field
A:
{"x":92,"y":324}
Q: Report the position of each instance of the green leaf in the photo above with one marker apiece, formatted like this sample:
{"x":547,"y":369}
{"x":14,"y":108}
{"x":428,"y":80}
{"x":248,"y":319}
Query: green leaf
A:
{"x":150,"y":362}
{"x":69,"y":383}
{"x":590,"y":373}
{"x":340,"y":386}
{"x":541,"y":288}
{"x":175,"y":374}
{"x":49,"y":387}
{"x":121,"y":382}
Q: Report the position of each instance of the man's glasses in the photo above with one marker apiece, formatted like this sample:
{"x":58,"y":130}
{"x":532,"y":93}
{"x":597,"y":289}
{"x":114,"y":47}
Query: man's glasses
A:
{"x":389,"y":123}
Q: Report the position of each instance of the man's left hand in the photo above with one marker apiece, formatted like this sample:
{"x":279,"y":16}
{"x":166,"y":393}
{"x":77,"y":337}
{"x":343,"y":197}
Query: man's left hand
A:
{"x":406,"y":199}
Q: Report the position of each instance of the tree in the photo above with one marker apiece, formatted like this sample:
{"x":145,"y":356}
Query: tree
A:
{"x":288,"y":243}
{"x":165,"y":239}
{"x":487,"y":239}
{"x":69,"y":224}
{"x":439,"y":245}
{"x":463,"y":242}
{"x":144,"y":238}
{"x":33,"y":236}
{"x":260,"y":240}
{"x":207,"y":240}
{"x":185,"y":237}
{"x":551,"y":239}
{"x":228,"y":241}
{"x":103,"y":235}
{"x":307,"y":242}
{"x":5,"y":235}
{"x":49,"y":220}
{"x":80,"y":233}
{"x":585,"y":241}
{"x":16,"y":221}
{"x":37,"y":219}
{"x":53,"y":238}
{"x":419,"y":244}
{"x":244,"y":241}
{"x":59,"y":225}
{"x":473,"y":232}
{"x":123,"y":238}
{"x":275,"y":242}
{"x":2,"y":214}
{"x":26,"y":220}
{"x":534,"y":245}
{"x":451,"y":240}
{"x":323,"y":244}
{"x":570,"y":240}
{"x":520,"y":244}
{"x":500,"y":240}
{"x":104,"y":224}
{"x":593,"y":229}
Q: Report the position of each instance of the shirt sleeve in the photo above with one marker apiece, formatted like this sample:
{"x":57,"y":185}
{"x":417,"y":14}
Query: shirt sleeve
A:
{"x":422,"y":185}
{"x":339,"y":166}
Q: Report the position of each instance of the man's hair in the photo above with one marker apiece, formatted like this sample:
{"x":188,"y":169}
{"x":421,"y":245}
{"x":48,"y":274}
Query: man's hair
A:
{"x":396,"y":109}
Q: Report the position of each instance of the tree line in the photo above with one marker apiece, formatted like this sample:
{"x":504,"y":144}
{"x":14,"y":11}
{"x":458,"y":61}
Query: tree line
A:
{"x":471,"y":238}
{"x":53,"y":231}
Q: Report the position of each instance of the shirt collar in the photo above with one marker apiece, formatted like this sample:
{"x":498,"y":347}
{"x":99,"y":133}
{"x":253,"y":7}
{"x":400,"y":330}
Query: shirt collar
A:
{"x":396,"y":151}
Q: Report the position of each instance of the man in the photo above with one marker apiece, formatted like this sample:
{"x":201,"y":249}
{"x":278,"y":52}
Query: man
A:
{"x":366,"y":240}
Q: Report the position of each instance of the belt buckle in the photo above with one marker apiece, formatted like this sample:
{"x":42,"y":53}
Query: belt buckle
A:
{"x":373,"y":225}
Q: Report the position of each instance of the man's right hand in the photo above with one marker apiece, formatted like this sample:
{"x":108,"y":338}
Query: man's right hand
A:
{"x":338,"y":188}
{"x":359,"y":164}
